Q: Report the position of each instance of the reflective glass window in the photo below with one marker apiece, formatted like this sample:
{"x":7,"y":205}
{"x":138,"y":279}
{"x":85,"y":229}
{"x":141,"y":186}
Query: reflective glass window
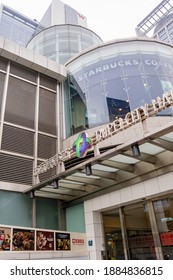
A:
{"x":138,"y":91}
{"x":61,"y":42}
{"x":97,"y":110}
{"x":113,"y":237}
{"x":164,"y":217}
{"x":15,"y":30}
{"x":79,"y":118}
{"x":139,"y":234}
{"x":120,"y":82}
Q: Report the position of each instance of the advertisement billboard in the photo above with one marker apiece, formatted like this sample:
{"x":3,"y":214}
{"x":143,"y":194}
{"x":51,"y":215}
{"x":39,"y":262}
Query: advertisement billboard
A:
{"x":63,"y":241}
{"x":44,"y":240}
{"x":5,"y":238}
{"x":23,"y":240}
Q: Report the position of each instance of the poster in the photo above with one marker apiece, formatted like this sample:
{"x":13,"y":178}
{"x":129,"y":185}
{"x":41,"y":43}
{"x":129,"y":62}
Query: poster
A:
{"x":166,"y":238}
{"x":23,"y":240}
{"x":44,"y":240}
{"x":5,"y":238}
{"x":78,"y":242}
{"x":63,"y":241}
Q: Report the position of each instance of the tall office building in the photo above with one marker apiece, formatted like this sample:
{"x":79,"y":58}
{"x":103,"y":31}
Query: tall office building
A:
{"x":16,"y":26}
{"x":159,"y":21}
{"x":61,"y":33}
{"x":61,"y":13}
{"x":20,"y":29}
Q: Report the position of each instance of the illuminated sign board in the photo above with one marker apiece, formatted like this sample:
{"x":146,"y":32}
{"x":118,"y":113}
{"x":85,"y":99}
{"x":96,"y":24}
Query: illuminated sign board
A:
{"x":83,"y":142}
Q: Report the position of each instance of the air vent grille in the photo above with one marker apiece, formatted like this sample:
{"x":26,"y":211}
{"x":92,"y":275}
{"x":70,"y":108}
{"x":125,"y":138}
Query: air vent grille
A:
{"x":15,"y":169}
{"x":23,"y":72}
{"x":20,"y":107}
{"x":49,"y":174}
{"x":2,"y":78}
{"x":47,"y":112}
{"x":18,"y":140}
{"x":46,"y":146}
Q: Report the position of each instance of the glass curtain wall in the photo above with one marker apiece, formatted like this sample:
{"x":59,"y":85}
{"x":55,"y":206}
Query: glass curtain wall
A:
{"x":61,"y":42}
{"x":108,"y":82}
{"x":16,"y":27}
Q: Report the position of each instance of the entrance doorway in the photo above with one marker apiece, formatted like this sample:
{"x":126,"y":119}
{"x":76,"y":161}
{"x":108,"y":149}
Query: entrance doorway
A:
{"x":113,"y":236}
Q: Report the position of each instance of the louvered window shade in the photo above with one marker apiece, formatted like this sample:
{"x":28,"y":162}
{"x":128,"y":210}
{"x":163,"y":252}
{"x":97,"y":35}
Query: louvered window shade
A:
{"x":46,"y":146}
{"x":23,"y":72}
{"x":15,"y":169}
{"x":18,"y":140}
{"x":2,"y":78}
{"x":3,"y":64}
{"x":20,"y":106}
{"x":48,"y":82}
{"x":48,"y":174}
{"x":47,"y":111}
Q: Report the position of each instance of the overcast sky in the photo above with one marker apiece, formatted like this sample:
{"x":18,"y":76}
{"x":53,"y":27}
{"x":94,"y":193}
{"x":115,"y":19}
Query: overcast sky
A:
{"x":110,"y":19}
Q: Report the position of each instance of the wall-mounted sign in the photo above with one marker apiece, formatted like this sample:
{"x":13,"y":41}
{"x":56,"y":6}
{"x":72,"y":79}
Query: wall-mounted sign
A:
{"x":78,"y":241}
{"x":82,"y":145}
{"x":83,"y":142}
{"x":90,"y":243}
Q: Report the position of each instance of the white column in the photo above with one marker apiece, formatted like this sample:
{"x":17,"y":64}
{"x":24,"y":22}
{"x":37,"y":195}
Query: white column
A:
{"x":94,"y":232}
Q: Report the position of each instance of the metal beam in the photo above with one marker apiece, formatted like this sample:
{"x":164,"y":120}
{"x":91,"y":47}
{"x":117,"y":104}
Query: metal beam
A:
{"x":118,"y":165}
{"x":167,"y":145}
{"x":104,"y":174}
{"x":144,"y":157}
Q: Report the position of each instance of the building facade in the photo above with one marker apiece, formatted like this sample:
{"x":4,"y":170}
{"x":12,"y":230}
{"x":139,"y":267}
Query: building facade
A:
{"x":158,"y":23}
{"x":131,"y":218}
{"x":164,"y":30}
{"x":16,"y":26}
{"x":21,"y":29}
{"x":61,"y":13}
{"x":30,"y":114}
{"x":86,"y":143}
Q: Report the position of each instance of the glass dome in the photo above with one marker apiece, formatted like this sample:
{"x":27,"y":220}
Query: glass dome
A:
{"x":112,"y":79}
{"x":61,"y":42}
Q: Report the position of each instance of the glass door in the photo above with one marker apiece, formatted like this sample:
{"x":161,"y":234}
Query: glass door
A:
{"x":139,"y":234}
{"x":113,"y":235}
{"x":164,"y":217}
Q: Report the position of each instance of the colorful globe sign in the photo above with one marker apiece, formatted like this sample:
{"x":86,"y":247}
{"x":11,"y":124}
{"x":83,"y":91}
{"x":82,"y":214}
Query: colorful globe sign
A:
{"x":82,"y":145}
